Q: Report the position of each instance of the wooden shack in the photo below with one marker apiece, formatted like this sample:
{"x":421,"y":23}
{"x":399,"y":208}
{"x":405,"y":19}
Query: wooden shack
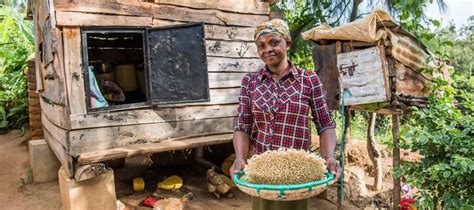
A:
{"x":178,"y":65}
{"x":375,"y":62}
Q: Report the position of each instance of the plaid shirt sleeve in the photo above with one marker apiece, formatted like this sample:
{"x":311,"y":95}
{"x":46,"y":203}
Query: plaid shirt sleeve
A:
{"x":244,"y":112}
{"x":319,"y":109}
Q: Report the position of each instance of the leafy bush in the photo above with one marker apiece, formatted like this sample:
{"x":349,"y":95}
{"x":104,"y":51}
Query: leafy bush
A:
{"x":16,"y":46}
{"x":444,"y":135}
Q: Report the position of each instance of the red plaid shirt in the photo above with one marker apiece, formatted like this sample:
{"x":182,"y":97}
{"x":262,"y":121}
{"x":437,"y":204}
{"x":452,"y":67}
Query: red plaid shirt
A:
{"x":275,"y":114}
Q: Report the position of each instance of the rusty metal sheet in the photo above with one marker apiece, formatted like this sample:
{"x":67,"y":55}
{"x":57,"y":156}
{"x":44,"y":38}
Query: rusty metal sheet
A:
{"x":408,"y":51}
{"x":363,"y":73}
{"x":177,"y":64}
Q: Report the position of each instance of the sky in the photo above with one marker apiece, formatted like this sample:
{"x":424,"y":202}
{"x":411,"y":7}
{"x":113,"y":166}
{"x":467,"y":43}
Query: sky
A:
{"x":457,"y":10}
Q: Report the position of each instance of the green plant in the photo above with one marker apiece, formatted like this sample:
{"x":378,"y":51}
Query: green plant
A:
{"x":443,"y":133}
{"x":444,"y":136}
{"x":16,"y":46}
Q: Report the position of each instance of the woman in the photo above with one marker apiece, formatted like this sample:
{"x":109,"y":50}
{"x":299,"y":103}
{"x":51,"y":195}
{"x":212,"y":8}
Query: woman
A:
{"x":274,"y":104}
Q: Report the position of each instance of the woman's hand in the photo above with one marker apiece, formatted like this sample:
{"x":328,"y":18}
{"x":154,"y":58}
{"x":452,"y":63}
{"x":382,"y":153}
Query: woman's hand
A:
{"x":334,"y":168}
{"x":239,"y":164}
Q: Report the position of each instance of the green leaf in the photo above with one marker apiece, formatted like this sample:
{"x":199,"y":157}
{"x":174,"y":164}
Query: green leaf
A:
{"x":435,"y":22}
{"x":446,"y":174}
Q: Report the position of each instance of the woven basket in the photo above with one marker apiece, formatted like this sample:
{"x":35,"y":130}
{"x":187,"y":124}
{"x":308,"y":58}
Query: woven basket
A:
{"x":283,"y":192}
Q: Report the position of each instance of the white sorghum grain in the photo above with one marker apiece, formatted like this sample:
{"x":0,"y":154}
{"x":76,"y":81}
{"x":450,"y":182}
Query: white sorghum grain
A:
{"x":285,"y":166}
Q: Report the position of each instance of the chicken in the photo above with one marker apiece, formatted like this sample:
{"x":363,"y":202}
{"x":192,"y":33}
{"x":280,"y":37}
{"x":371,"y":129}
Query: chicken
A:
{"x":219,"y":184}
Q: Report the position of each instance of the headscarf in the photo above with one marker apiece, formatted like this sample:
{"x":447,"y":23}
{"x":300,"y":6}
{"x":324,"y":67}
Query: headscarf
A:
{"x":275,"y":26}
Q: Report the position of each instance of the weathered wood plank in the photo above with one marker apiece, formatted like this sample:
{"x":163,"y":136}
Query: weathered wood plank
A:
{"x":73,"y":70}
{"x":159,"y":115}
{"x":325,"y":60}
{"x":222,"y":64}
{"x":224,"y":96}
{"x":123,"y":152}
{"x":106,"y":7}
{"x":207,"y":16}
{"x":38,"y":64}
{"x":231,"y":49}
{"x":60,"y":152}
{"x":221,"y":96}
{"x":58,"y":133}
{"x":225,"y":80}
{"x":362,"y":73}
{"x":250,"y":7}
{"x":229,"y":33}
{"x":53,"y":85}
{"x":216,"y":32}
{"x":56,"y":114}
{"x":409,"y":82}
{"x":141,"y":14}
{"x":87,"y":19}
{"x":95,"y":139}
{"x":58,"y":62}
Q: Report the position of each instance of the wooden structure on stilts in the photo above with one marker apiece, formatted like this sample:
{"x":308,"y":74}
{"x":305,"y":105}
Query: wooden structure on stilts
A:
{"x":376,"y":65}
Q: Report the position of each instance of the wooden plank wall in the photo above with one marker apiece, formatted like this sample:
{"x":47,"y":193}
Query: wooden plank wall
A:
{"x":49,"y":64}
{"x":229,"y":29}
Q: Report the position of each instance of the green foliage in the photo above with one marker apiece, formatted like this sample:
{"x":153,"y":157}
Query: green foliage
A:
{"x":444,"y":135}
{"x":16,"y":46}
{"x":461,"y":46}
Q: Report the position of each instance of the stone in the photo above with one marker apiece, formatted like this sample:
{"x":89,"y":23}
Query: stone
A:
{"x":97,"y":193}
{"x":43,"y":162}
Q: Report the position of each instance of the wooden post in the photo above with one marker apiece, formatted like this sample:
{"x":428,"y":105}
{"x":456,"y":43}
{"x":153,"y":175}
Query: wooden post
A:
{"x":374,"y":153}
{"x":396,"y":161}
{"x":347,"y":129}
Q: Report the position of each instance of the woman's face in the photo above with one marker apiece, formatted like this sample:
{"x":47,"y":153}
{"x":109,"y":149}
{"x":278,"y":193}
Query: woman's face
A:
{"x":272,"y":49}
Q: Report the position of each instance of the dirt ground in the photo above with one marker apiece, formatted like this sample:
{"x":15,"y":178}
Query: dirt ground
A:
{"x":17,"y":191}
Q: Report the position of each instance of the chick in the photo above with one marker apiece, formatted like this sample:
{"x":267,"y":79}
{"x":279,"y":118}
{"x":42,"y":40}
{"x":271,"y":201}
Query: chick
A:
{"x":219,"y":184}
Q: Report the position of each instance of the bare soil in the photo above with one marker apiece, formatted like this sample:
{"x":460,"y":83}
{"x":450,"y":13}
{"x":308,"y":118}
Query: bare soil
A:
{"x":18,"y":191}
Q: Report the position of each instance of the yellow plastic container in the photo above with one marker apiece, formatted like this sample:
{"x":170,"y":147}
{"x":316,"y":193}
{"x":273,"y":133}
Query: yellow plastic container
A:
{"x":138,"y":184}
{"x":126,"y":77}
{"x":171,"y":183}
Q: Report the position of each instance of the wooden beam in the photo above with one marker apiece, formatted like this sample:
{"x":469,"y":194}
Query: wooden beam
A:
{"x":96,"y":139}
{"x":145,"y":116}
{"x":222,"y":64}
{"x":141,"y":14}
{"x":238,"y":6}
{"x":59,"y":150}
{"x":129,"y":151}
{"x":396,"y":162}
{"x":231,"y":49}
{"x":207,"y":16}
{"x":87,"y":19}
{"x":73,"y":70}
{"x":58,"y":62}
{"x":140,"y":9}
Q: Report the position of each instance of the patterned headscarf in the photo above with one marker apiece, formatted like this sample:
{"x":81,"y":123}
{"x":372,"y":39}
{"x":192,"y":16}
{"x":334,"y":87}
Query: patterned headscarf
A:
{"x":275,"y":26}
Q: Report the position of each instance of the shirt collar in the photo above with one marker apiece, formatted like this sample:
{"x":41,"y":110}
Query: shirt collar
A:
{"x":266,"y":73}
